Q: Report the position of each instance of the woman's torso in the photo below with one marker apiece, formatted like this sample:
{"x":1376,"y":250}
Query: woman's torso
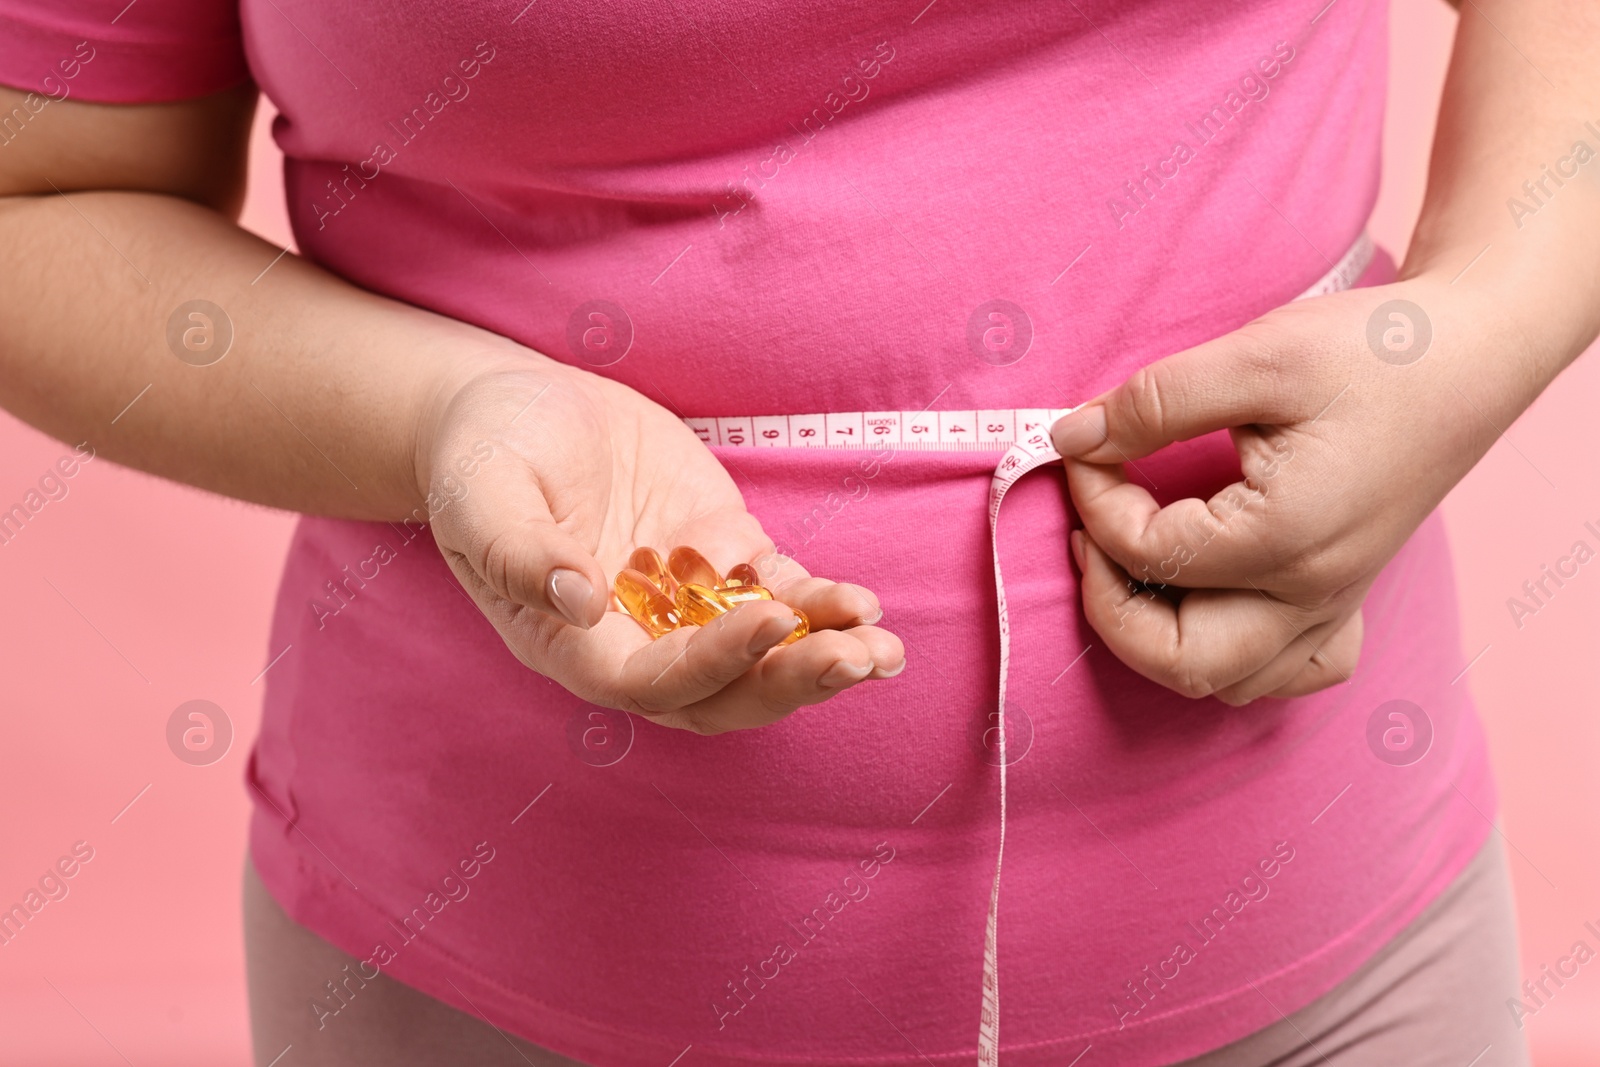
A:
{"x":803,"y":207}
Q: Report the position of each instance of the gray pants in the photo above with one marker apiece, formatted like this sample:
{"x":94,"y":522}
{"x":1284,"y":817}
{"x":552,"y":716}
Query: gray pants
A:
{"x":1435,"y":996}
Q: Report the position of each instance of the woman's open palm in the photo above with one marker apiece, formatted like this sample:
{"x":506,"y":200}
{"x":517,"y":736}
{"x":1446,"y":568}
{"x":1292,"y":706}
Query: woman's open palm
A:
{"x":583,"y":470}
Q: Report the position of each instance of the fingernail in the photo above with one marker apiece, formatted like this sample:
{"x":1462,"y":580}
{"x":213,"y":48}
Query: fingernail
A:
{"x":1081,"y":431}
{"x":1075,"y":539}
{"x":842,"y":674}
{"x":770,"y":632}
{"x":870,"y":615}
{"x":880,"y":673}
{"x":570,"y":592}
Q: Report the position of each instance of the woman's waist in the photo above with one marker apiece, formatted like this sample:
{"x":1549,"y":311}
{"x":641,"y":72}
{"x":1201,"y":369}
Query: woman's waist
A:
{"x":392,"y":651}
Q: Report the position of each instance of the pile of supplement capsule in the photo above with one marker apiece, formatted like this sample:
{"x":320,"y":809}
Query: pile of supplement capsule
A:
{"x":685,"y":590}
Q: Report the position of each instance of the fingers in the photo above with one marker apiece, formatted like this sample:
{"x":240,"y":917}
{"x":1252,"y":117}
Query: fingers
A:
{"x":1192,"y":543}
{"x":1288,"y":536}
{"x":694,"y":662}
{"x":732,"y":674}
{"x":807,"y":672}
{"x":1234,"y":380}
{"x":888,"y":652}
{"x":729,"y":674}
{"x":811,"y":670}
{"x":718,"y":681}
{"x":1208,"y":641}
{"x":830,"y":605}
{"x":1324,"y":655}
{"x":1334,"y":661}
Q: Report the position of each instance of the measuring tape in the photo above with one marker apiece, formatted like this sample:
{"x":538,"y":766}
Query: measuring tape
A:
{"x":926,"y":431}
{"x":1023,"y":435}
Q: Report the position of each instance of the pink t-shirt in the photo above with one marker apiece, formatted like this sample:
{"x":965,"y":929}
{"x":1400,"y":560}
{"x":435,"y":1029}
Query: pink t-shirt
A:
{"x":795,"y":207}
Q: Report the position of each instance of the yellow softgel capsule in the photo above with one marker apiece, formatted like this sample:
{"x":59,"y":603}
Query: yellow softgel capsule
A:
{"x":688,"y":566}
{"x":802,"y":626}
{"x":733,"y":596}
{"x":699,"y":604}
{"x":649,"y":606}
{"x":742,"y":574}
{"x":648,"y":562}
{"x":743,"y":594}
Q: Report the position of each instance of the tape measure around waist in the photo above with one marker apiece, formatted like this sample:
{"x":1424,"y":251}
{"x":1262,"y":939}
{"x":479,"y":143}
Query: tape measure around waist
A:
{"x":925,"y":431}
{"x":929,"y":430}
{"x":1023,"y":436}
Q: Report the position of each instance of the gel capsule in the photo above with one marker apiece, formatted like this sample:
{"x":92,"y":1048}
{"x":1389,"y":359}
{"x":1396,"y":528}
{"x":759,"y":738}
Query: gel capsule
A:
{"x":732,"y":597}
{"x":743,"y":594}
{"x":802,"y":626}
{"x":648,"y":562}
{"x":649,"y":606}
{"x":688,"y":566}
{"x":699,"y":604}
{"x":742,"y":574}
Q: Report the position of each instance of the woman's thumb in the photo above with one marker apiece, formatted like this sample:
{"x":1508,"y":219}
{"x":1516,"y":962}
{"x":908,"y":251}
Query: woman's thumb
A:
{"x":538,"y":565}
{"x":1213,"y":386}
{"x":522,"y":554}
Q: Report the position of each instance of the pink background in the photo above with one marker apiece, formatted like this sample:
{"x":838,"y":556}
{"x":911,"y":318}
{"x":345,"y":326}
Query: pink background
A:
{"x":162,"y":594}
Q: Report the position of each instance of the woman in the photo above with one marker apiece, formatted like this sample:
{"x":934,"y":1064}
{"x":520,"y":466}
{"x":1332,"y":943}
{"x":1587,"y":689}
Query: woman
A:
{"x":533,"y":239}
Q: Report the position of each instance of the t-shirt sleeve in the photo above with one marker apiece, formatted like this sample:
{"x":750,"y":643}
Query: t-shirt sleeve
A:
{"x":117,"y":52}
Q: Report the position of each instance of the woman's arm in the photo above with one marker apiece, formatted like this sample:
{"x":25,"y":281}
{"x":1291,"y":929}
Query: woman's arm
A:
{"x":1515,"y":178}
{"x":1354,"y":415}
{"x":113,"y":216}
{"x":537,"y":479}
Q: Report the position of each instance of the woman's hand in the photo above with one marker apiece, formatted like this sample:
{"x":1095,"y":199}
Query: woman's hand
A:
{"x":1352,"y":417}
{"x":1349,"y":433}
{"x":583,"y":471}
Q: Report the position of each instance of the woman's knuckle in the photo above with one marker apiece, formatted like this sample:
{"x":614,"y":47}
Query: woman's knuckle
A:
{"x":497,"y":562}
{"x":1194,"y":684}
{"x":1178,"y":670}
{"x":1143,"y":401}
{"x":1260,"y":348}
{"x":773,"y":708}
{"x":649,"y":708}
{"x":704,"y":725}
{"x":1323,"y":569}
{"x":1347,"y":659}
